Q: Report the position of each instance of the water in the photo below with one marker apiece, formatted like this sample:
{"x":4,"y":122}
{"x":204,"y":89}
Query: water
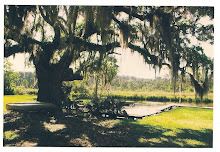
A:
{"x":144,"y":108}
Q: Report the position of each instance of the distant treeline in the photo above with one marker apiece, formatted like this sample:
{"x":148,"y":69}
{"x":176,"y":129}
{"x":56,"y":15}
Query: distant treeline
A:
{"x":27,"y":79}
{"x":157,"y":84}
{"x":18,"y":83}
{"x":121,"y":83}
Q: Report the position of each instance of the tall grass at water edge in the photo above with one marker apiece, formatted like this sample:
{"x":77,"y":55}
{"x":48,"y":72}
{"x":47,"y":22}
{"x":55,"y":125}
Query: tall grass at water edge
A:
{"x":157,"y":96}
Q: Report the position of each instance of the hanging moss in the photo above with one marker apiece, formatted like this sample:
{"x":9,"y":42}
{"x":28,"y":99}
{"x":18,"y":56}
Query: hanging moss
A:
{"x":103,"y":21}
{"x":124,"y":34}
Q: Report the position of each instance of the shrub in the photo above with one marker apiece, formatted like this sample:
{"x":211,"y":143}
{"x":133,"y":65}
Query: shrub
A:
{"x":206,"y":100}
{"x":20,"y":90}
{"x":9,"y":91}
{"x":107,"y":105}
{"x":32,"y":91}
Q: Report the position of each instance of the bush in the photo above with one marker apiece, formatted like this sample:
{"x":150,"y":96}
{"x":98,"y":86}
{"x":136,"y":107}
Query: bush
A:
{"x":20,"y":90}
{"x":32,"y":91}
{"x":206,"y":100}
{"x":107,"y":106}
{"x":9,"y":91}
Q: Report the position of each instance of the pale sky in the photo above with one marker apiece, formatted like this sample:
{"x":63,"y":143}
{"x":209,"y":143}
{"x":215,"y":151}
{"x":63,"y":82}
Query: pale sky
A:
{"x":132,"y":64}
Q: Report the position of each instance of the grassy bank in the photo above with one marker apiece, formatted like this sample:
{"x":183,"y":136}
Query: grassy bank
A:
{"x":181,"y":127}
{"x":157,"y":96}
{"x":17,"y":98}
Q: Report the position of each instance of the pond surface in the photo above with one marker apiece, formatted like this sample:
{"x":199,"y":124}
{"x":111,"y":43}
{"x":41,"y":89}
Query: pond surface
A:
{"x":144,"y":108}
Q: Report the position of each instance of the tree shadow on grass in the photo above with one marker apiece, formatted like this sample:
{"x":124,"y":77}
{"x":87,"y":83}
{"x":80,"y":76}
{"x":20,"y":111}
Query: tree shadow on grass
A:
{"x":64,"y":130}
{"x":145,"y":135}
{"x":28,"y":128}
{"x":196,"y":138}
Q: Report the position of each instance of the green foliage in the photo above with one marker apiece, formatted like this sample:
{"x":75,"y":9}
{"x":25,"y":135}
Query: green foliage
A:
{"x":76,"y":89}
{"x":103,"y":70}
{"x":148,"y":98}
{"x":18,"y":83}
{"x":20,"y":90}
{"x":25,"y":83}
{"x":159,"y":84}
{"x":27,"y":79}
{"x":108,"y":105}
{"x":32,"y":91}
{"x":202,"y":77}
{"x":10,"y":78}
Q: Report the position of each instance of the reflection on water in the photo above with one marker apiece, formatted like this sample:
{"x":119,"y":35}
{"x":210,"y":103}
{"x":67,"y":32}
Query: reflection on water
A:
{"x":143,"y":108}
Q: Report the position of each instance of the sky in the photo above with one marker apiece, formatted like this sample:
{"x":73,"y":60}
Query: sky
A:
{"x":132,"y":64}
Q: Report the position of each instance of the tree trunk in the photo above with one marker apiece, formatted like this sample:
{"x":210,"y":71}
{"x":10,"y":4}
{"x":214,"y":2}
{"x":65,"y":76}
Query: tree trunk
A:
{"x":201,"y":99}
{"x":180,"y":89}
{"x":195,"y":95}
{"x":96,"y":86}
{"x":50,"y":85}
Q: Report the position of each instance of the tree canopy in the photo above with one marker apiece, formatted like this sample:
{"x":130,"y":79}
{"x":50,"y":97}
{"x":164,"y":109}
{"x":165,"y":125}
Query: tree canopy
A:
{"x":57,"y":36}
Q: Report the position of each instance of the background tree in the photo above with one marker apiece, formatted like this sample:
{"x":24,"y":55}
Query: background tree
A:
{"x":103,"y":71}
{"x":10,"y":78}
{"x":56,"y":36}
{"x":203,"y":78}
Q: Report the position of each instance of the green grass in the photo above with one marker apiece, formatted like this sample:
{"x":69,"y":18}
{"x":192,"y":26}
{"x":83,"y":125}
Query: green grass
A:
{"x":17,"y":98}
{"x":10,"y":135}
{"x":181,"y":127}
{"x":182,"y":118}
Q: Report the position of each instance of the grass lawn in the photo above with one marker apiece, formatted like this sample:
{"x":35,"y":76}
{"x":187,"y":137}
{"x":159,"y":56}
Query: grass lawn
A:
{"x":181,"y":127}
{"x":17,"y":98}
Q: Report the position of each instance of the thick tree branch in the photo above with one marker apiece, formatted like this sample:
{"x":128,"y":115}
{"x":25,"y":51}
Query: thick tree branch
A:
{"x":132,"y":13}
{"x":92,"y":46}
{"x":22,"y":46}
{"x":8,"y":51}
{"x":69,"y":56}
{"x":148,"y":57}
{"x":75,"y":15}
{"x":45,"y":17}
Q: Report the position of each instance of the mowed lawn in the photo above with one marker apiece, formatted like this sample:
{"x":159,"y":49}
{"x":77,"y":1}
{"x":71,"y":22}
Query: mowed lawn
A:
{"x":17,"y":98}
{"x":181,"y":127}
